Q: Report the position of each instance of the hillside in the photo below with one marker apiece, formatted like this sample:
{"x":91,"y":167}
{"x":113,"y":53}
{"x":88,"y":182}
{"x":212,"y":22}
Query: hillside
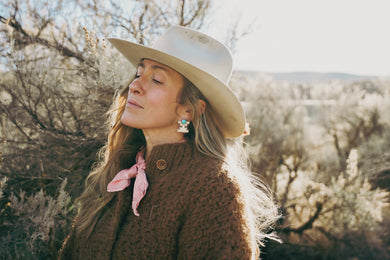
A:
{"x":306,"y":77}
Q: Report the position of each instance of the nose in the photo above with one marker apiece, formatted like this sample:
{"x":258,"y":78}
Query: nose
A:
{"x":135,"y":87}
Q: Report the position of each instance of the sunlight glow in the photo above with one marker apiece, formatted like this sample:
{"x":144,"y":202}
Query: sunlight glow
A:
{"x":350,"y":36}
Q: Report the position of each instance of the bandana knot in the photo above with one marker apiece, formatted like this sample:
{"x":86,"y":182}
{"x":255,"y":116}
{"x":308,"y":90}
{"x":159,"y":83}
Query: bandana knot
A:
{"x":122,"y":181}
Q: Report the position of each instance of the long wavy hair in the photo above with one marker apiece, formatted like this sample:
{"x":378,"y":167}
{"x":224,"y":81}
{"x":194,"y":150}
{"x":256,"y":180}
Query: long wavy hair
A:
{"x":124,"y":142}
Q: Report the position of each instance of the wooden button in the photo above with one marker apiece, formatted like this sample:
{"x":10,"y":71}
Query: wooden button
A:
{"x":161,"y":164}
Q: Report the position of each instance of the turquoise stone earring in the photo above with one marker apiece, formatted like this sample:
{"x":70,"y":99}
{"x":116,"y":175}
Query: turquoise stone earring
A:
{"x":183,"y":126}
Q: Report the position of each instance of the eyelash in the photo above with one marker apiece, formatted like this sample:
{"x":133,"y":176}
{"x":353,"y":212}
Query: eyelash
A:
{"x":154,"y":80}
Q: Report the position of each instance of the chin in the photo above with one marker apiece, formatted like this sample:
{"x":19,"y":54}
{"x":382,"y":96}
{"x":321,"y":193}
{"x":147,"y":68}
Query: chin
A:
{"x":126,"y":120}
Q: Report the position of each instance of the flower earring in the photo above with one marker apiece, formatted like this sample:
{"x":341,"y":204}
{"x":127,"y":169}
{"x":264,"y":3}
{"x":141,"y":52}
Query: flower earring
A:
{"x":183,"y":126}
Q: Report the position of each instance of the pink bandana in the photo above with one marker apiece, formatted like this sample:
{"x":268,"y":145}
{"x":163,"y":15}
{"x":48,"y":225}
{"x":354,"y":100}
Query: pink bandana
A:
{"x":122,"y":181}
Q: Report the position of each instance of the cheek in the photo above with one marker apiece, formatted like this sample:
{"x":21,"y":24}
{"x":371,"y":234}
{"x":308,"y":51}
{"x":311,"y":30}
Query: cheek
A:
{"x":165,"y":111}
{"x":162,"y":100}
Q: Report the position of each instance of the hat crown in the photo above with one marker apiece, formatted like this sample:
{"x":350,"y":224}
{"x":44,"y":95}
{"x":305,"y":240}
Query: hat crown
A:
{"x":197,"y":49}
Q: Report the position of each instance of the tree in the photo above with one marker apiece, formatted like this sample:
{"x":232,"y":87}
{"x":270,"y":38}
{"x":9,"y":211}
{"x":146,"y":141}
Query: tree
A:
{"x":58,"y":79}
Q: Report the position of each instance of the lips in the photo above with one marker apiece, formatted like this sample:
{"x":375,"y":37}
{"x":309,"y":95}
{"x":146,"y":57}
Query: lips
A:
{"x":134,"y":104}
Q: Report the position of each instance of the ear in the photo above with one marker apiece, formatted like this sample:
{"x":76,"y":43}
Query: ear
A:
{"x":184,"y":112}
{"x":201,"y":106}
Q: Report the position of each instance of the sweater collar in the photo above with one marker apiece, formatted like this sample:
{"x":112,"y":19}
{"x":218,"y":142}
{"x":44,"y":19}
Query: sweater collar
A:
{"x":165,"y":157}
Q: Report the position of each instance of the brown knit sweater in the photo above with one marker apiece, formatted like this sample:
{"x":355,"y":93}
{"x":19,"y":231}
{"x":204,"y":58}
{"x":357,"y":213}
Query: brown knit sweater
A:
{"x":192,"y":210}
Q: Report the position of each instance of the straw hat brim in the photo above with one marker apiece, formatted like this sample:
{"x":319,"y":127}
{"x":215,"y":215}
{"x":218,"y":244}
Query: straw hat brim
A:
{"x":227,"y":108}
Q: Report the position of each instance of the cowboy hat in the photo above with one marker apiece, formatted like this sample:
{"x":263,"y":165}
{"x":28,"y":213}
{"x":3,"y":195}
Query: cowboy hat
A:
{"x":204,"y":61}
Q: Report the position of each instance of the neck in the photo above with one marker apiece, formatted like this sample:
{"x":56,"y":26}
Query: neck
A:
{"x":157,"y":138}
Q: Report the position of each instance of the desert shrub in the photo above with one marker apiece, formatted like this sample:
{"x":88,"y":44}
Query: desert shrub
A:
{"x":33,"y":227}
{"x":58,"y":77}
{"x":301,"y":137}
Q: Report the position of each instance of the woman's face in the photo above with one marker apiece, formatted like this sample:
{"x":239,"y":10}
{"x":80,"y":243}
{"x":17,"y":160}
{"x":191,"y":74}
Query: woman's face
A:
{"x":153,"y":98}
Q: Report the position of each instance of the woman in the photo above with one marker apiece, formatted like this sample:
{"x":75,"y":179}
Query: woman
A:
{"x":167,"y":187}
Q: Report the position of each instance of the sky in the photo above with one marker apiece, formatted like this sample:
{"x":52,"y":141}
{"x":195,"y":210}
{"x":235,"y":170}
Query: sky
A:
{"x":347,"y":36}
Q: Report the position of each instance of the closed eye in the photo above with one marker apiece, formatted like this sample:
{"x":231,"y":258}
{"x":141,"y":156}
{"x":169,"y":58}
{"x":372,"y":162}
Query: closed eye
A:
{"x":158,"y":82}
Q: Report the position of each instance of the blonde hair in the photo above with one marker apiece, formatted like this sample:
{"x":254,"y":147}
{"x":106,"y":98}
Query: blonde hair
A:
{"x":119,"y":151}
{"x":124,"y":142}
{"x":261,"y":211}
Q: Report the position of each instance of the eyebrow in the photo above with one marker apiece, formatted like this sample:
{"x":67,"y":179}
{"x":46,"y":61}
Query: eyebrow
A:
{"x":156,"y":67}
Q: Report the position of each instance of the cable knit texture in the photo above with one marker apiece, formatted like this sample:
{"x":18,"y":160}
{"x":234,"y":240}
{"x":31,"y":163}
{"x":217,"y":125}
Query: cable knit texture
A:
{"x":193,"y":210}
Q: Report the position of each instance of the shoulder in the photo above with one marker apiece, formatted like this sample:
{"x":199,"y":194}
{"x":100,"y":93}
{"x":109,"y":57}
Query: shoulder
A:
{"x":199,"y":174}
{"x":212,"y":179}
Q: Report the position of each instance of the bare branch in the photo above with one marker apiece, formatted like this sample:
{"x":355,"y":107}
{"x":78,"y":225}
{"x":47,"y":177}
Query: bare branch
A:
{"x":308,"y":224}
